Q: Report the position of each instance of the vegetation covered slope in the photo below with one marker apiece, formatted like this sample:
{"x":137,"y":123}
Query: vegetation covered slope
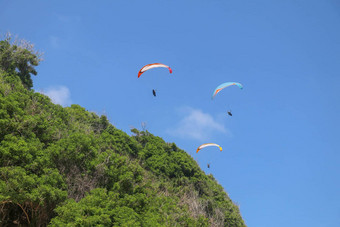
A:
{"x":69,"y":167}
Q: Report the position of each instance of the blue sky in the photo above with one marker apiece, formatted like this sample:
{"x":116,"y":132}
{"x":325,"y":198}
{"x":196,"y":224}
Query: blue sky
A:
{"x":280,"y":159}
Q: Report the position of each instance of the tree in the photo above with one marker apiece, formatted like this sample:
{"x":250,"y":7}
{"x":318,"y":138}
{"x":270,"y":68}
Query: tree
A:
{"x":19,"y":58}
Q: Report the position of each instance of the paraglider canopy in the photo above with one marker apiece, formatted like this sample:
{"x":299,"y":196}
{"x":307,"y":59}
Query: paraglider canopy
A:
{"x":224,"y":85}
{"x":208,"y":145}
{"x":151,"y":66}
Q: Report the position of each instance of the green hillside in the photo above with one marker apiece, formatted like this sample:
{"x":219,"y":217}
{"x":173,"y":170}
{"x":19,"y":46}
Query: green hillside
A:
{"x":70,"y":167}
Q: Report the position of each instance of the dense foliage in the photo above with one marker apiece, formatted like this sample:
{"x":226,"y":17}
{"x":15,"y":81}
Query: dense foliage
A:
{"x":69,"y":167}
{"x":18,"y":57}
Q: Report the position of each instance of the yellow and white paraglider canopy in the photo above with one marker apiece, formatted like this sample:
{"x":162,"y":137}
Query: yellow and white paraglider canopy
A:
{"x":208,"y":145}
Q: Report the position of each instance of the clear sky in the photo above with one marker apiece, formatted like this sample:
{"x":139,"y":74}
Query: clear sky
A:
{"x":280,"y":161}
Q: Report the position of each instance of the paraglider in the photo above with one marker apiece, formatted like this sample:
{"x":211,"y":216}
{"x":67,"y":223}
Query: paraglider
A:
{"x":224,"y":85}
{"x":208,"y":145}
{"x":151,"y":66}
